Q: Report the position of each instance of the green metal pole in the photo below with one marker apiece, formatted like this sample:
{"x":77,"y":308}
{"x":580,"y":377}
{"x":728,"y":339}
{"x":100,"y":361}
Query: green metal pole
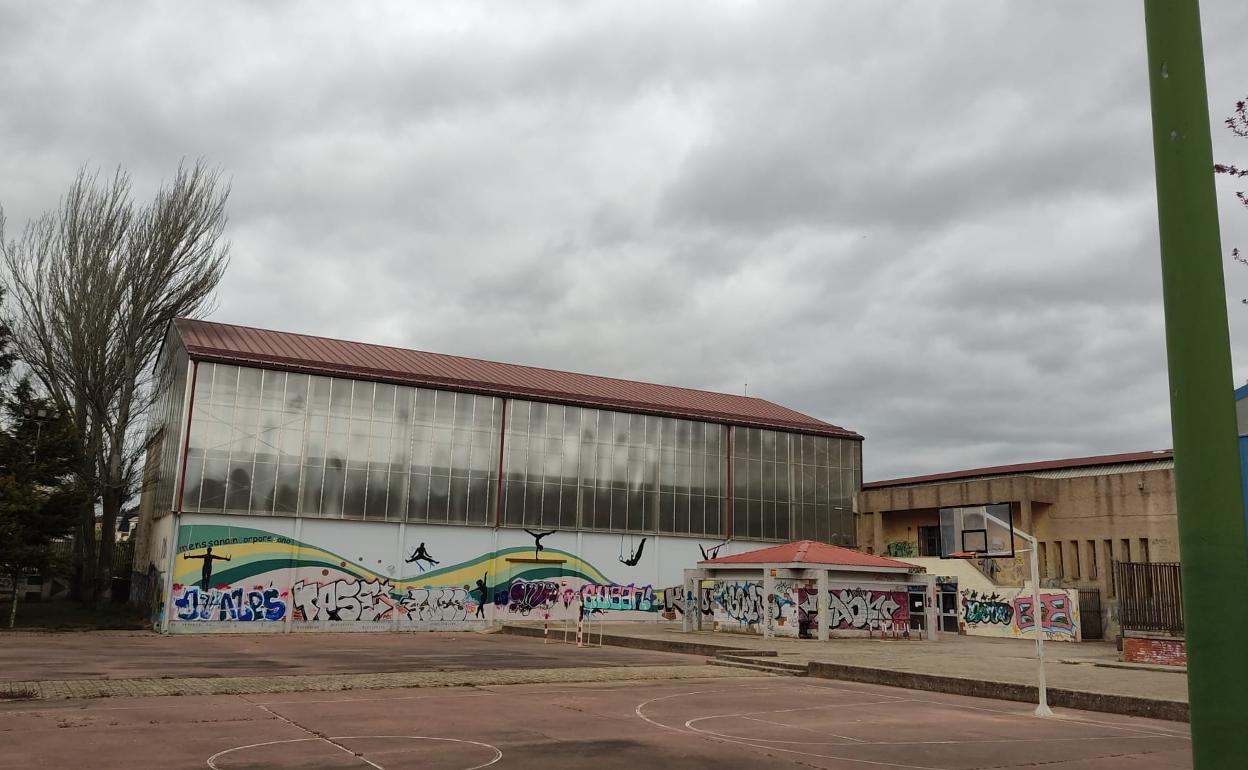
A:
{"x":1212,"y":539}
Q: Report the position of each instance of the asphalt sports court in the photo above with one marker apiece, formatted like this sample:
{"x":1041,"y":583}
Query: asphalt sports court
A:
{"x":713,"y":723}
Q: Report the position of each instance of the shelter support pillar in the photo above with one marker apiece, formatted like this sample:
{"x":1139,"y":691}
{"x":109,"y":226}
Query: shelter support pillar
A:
{"x":691,"y":618}
{"x":1024,"y":516}
{"x":877,"y":531}
{"x":769,"y":603}
{"x":821,"y":602}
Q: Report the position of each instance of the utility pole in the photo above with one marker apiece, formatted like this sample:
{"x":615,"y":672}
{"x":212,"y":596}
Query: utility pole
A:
{"x":1213,"y":545}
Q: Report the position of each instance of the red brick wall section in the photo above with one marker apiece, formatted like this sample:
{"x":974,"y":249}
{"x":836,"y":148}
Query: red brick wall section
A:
{"x":1162,"y":652}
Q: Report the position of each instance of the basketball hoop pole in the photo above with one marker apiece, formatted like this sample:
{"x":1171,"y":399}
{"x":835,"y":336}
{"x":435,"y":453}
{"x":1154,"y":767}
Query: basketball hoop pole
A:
{"x":1042,"y":708}
{"x":1037,"y":609}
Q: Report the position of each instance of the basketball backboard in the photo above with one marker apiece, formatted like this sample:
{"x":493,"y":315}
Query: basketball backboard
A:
{"x":985,"y":531}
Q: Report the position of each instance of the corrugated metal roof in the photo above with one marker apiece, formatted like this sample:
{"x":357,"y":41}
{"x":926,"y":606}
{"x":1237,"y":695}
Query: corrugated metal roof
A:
{"x":809,"y":552}
{"x":1098,"y":465}
{"x":242,"y":345}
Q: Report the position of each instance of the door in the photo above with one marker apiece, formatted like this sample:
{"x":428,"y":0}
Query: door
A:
{"x":929,"y":541}
{"x":948,"y":598}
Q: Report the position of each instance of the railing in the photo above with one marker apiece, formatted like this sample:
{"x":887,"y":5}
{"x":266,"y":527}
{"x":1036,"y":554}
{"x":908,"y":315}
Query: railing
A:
{"x":1150,"y":596}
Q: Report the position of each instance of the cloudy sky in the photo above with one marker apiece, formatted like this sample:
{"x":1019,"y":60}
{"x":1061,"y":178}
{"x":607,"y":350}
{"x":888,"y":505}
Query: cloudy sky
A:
{"x":933,"y":223}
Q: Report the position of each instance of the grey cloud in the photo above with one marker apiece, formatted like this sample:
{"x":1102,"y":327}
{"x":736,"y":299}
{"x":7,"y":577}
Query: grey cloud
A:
{"x":932,"y":223}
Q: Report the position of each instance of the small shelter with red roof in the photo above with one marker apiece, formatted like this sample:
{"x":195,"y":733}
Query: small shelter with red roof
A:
{"x":788,"y":589}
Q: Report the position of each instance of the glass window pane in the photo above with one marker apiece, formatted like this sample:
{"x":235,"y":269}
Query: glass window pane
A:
{"x":354,"y":497}
{"x":313,"y":479}
{"x":418,"y":498}
{"x":286,"y":495}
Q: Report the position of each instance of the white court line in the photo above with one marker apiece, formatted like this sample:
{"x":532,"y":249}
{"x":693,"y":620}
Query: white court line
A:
{"x":498,"y":754}
{"x":315,"y":737}
{"x":763,"y":744}
{"x":640,"y":712}
{"x":807,"y":729}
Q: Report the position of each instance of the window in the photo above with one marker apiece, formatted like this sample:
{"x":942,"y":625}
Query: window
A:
{"x":929,"y":541}
{"x":1074,"y":559}
{"x":1144,"y":549}
{"x":1044,"y":559}
{"x":1094,"y":571}
{"x":1058,"y":569}
{"x":1126,"y":550}
{"x":1109,"y":564}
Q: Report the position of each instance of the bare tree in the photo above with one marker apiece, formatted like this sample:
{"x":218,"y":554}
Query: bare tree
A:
{"x":1238,"y":125}
{"x":93,"y":285}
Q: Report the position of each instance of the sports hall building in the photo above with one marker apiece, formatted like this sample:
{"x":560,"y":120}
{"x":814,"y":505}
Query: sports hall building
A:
{"x":298,"y":482}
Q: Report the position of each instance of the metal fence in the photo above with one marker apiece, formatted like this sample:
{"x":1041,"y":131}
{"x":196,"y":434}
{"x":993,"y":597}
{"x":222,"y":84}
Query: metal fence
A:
{"x":1091,"y":621}
{"x":1150,"y":596}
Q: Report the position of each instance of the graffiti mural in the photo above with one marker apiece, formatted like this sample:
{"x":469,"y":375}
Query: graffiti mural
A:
{"x":986,"y":608}
{"x":525,"y":596}
{"x":1007,"y":611}
{"x":1055,"y":614}
{"x":440,"y":605}
{"x":342,"y":600}
{"x":739,"y":603}
{"x":616,"y":597}
{"x":860,"y":608}
{"x":362,"y":575}
{"x":674,"y":601}
{"x":236,"y":604}
{"x":855,"y":609}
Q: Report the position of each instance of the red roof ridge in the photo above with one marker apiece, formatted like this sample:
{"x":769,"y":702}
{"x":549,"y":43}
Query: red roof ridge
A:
{"x":497,"y":377}
{"x":1019,"y":468}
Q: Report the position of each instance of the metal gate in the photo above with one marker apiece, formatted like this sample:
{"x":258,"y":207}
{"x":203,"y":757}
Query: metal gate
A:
{"x":1150,"y":596}
{"x":1091,"y":621}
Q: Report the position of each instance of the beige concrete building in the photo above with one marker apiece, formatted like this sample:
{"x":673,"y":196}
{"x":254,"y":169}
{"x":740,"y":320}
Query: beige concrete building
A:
{"x":1086,"y":512}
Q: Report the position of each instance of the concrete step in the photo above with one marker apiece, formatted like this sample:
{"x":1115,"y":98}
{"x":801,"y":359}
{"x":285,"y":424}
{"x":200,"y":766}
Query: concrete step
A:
{"x":768,"y":667}
{"x":799,"y":668}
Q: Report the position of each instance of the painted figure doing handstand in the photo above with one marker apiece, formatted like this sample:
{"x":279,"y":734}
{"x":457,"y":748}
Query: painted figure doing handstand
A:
{"x":537,"y":540}
{"x":208,"y":558}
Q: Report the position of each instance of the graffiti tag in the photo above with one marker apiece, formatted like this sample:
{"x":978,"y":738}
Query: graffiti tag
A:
{"x":343,"y":599}
{"x":986,"y":608}
{"x":260,"y":603}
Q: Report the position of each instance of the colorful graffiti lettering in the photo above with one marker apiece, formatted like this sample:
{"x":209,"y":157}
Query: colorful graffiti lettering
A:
{"x":617,"y":597}
{"x":1055,"y":616}
{"x":986,"y":608}
{"x":524,"y":596}
{"x":239,"y":604}
{"x":437,"y":604}
{"x":343,"y":600}
{"x":858,"y":608}
{"x":742,"y":602}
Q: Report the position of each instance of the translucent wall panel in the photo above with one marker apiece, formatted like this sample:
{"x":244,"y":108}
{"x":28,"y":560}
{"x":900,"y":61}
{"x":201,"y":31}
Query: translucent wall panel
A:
{"x":790,"y":486}
{"x":567,"y":466}
{"x":267,"y":442}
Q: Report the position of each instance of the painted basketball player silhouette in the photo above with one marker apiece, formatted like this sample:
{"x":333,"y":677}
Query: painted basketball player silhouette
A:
{"x":537,"y":540}
{"x":208,"y":558}
{"x":419,"y":555}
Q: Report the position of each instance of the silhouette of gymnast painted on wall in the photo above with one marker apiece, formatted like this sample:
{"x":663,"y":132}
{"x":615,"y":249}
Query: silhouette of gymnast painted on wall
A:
{"x":635,"y":556}
{"x":208,"y":558}
{"x":711,"y":554}
{"x":537,"y":540}
{"x":419,"y":555}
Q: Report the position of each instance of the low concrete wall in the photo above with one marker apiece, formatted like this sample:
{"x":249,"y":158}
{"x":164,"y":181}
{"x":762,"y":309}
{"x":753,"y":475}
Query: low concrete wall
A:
{"x":1176,"y":711}
{"x":637,"y":642}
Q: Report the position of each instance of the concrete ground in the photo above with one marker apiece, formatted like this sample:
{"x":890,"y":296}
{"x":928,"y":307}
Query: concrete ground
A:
{"x":1085,"y":666}
{"x":725,"y":723}
{"x":30,"y":656}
